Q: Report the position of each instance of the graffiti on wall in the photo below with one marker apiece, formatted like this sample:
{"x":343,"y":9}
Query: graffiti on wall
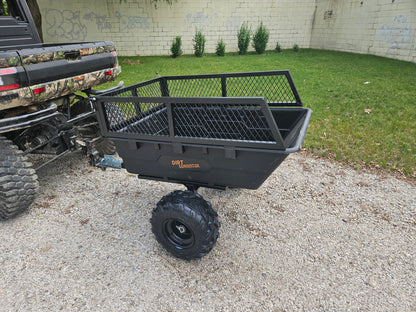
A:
{"x":72,"y":25}
{"x":101,"y":21}
{"x":399,"y":35}
{"x":127,"y":22}
{"x":200,"y":20}
{"x":65,"y":24}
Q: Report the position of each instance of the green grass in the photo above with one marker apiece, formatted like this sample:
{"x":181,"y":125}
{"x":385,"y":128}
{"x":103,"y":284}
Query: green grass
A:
{"x":364,"y":106}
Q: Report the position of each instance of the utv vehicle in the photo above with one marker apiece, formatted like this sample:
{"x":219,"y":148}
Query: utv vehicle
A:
{"x":44,"y":105}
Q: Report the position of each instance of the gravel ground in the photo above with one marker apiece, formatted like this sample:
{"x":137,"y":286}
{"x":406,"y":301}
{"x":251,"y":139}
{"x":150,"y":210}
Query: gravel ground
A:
{"x":315,"y":237}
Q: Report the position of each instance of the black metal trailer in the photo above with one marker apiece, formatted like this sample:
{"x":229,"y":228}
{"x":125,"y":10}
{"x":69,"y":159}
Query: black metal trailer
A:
{"x":216,"y":131}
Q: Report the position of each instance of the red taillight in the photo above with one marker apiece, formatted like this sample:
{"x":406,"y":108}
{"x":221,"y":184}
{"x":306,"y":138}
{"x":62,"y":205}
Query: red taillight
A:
{"x":8,"y":71}
{"x":7,"y":79}
{"x":108,"y":73}
{"x":9,"y":87}
{"x":39,"y":90}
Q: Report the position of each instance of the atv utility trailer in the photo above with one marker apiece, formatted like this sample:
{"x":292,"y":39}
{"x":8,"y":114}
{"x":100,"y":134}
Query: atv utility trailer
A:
{"x":215,"y":131}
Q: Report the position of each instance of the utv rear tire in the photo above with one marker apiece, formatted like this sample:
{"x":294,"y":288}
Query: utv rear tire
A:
{"x":18,"y":180}
{"x":185,"y":225}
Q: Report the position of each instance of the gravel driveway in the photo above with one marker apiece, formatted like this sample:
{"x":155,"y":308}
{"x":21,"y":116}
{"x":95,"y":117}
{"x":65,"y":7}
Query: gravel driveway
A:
{"x":315,"y":237}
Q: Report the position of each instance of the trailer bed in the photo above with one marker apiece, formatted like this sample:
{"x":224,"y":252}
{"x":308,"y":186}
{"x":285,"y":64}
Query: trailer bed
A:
{"x":217,"y":131}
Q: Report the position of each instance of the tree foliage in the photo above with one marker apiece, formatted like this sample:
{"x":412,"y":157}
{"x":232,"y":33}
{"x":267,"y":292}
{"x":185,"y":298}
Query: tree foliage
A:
{"x":199,"y":43}
{"x":175,"y":48}
{"x":220,"y":50}
{"x":243,"y":38}
{"x":260,"y":39}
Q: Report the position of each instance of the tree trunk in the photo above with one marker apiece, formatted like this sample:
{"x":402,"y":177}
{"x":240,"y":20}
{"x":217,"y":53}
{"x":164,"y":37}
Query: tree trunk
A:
{"x":37,"y":17}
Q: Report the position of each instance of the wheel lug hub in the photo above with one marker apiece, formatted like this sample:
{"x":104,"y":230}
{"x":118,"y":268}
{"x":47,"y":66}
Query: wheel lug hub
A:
{"x":181,"y":229}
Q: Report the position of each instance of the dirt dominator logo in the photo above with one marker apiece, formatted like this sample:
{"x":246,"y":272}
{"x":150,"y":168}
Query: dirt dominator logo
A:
{"x":181,"y":165}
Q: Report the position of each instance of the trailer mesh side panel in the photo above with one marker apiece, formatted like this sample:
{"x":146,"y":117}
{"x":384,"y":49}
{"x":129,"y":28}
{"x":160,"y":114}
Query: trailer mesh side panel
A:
{"x":208,"y":87}
{"x":275,"y":89}
{"x":198,"y":120}
{"x":145,"y":89}
{"x":220,"y":122}
{"x":137,"y":118}
{"x":149,"y":90}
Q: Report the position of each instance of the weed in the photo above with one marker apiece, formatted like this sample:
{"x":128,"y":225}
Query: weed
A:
{"x":296,"y":48}
{"x":278,"y":49}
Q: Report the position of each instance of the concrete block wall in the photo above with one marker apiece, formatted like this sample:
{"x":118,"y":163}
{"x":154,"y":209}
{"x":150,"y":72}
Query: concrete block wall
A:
{"x":138,"y":28}
{"x":379,"y":27}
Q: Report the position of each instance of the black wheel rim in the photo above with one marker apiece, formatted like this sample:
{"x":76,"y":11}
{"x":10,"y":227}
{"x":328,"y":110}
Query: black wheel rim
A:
{"x":178,"y":234}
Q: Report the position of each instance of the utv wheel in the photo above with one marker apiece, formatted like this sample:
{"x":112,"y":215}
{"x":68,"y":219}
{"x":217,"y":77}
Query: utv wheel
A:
{"x":18,"y":180}
{"x":185,"y":225}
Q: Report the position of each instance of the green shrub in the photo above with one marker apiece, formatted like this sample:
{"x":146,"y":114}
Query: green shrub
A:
{"x":176,"y":48}
{"x":295,"y":48}
{"x":243,"y":37}
{"x":260,"y":39}
{"x":199,"y":43}
{"x":220,"y":50}
{"x":278,"y":49}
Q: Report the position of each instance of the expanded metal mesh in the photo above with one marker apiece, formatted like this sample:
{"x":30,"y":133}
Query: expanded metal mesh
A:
{"x":202,"y":120}
{"x":245,"y":123}
{"x":137,"y":118}
{"x":151,"y":89}
{"x":208,"y":87}
{"x":275,"y":89}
